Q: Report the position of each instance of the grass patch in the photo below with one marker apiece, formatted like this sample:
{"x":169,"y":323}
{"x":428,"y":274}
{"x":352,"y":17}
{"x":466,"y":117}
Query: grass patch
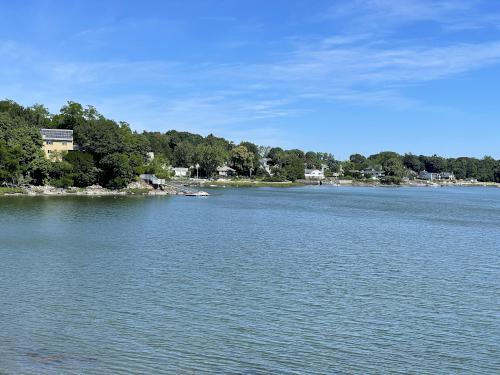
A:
{"x":11,"y":190}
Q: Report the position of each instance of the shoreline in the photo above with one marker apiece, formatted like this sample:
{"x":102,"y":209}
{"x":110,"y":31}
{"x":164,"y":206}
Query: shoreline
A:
{"x":134,"y":189}
{"x":334,"y":182}
{"x":137,"y":189}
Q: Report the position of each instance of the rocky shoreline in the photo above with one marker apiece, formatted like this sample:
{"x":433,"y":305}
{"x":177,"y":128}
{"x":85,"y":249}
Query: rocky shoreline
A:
{"x":143,"y":189}
{"x":134,"y":188}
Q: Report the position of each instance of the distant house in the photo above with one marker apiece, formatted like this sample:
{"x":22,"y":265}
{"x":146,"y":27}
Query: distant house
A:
{"x":225,"y":171}
{"x":264,"y":163}
{"x":180,"y":171}
{"x":447,"y":176}
{"x":314,"y":174}
{"x":56,"y":142}
{"x":150,"y":156}
{"x":373,"y":173}
{"x":424,"y":175}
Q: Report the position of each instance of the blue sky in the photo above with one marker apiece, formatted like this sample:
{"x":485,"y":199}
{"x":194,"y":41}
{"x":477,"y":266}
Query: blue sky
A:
{"x":347,"y":76}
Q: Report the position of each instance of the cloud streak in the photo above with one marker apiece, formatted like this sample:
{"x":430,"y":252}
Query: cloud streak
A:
{"x":451,"y":15}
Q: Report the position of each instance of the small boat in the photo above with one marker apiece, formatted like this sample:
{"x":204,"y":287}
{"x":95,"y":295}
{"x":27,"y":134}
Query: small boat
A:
{"x":197,"y":194}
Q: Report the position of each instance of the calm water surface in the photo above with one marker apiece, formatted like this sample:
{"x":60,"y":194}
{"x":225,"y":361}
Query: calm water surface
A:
{"x":263,"y":281}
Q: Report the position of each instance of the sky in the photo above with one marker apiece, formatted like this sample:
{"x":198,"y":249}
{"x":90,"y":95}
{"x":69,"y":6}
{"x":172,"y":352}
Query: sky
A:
{"x":351,"y":76}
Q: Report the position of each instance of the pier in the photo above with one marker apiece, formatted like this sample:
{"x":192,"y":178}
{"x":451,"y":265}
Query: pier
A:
{"x":160,"y":183}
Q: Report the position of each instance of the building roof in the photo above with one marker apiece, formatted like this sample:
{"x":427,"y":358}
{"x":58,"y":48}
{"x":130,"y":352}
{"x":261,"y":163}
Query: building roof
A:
{"x":57,"y":134}
{"x":309,"y":171}
{"x":225,"y":169}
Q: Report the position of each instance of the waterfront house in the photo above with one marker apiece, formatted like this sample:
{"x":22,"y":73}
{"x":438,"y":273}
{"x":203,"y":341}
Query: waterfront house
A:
{"x":314,"y":174}
{"x":56,"y":142}
{"x":180,"y":171}
{"x":424,"y":175}
{"x":373,"y":173}
{"x":225,"y":171}
{"x":447,"y":176}
{"x":264,"y":163}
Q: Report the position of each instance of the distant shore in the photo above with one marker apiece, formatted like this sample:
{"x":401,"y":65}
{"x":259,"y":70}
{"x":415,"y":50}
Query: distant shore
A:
{"x":141,"y":189}
{"x":331,"y":182}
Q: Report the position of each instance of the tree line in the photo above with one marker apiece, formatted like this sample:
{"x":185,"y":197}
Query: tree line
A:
{"x":408,"y":165}
{"x":112,"y":155}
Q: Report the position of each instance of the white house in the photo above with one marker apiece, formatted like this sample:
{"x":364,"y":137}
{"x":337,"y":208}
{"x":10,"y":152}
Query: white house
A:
{"x":226,"y":171}
{"x":424,"y":175}
{"x":181,"y":171}
{"x":264,"y":163}
{"x":373,"y":173}
{"x":314,"y":174}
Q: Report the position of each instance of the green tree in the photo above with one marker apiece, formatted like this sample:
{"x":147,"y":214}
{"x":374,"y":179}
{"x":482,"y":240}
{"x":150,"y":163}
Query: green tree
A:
{"x":116,"y":171}
{"x":459,"y":167}
{"x":60,"y":173}
{"x":70,"y":116}
{"x":10,"y":169}
{"x":393,"y":167}
{"x":435,"y":164}
{"x":254,"y":149}
{"x":210,"y":157}
{"x":183,"y":154}
{"x":359,"y":161}
{"x":159,"y":166}
{"x":293,"y":168}
{"x":242,"y":159}
{"x":84,"y":171}
{"x":39,"y":170}
{"x":101,"y":137}
{"x":413,"y":163}
{"x":486,"y":170}
{"x":276,"y":155}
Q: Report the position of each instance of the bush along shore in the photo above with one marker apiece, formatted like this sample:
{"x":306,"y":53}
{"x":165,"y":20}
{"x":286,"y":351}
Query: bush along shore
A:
{"x":110,"y":155}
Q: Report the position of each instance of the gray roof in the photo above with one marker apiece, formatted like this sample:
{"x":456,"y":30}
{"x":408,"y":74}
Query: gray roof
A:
{"x":57,"y":134}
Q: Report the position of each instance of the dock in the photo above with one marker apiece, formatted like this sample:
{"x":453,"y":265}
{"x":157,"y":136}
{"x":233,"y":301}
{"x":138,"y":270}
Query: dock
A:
{"x":160,"y":183}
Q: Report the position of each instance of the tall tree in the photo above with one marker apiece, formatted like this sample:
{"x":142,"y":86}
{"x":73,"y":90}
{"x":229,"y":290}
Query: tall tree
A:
{"x":210,"y":156}
{"x":242,"y":160}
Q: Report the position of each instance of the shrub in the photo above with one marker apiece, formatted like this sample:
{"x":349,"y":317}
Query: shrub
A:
{"x":62,"y":182}
{"x":274,"y":179}
{"x":391,"y":180}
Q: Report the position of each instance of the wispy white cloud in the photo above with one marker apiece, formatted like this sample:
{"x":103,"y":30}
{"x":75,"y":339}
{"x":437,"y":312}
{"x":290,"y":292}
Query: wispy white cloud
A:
{"x":364,"y":68}
{"x":103,"y":73}
{"x":383,"y":14}
{"x":205,"y":96}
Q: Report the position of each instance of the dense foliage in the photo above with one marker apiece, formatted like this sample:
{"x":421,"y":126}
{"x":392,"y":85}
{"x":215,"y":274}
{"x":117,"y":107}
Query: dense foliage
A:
{"x":393,"y":164}
{"x":112,"y":155}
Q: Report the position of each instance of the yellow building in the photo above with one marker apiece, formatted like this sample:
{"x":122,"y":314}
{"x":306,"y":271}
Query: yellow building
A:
{"x":56,"y":142}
